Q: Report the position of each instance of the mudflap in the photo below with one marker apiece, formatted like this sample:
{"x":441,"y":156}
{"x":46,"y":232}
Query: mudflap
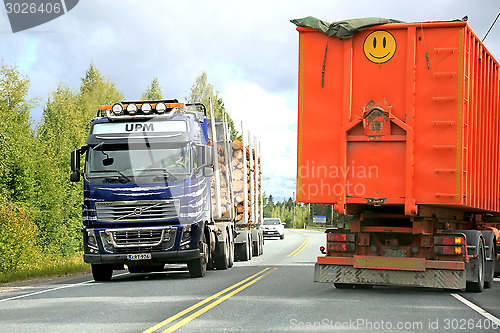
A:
{"x":430,"y":278}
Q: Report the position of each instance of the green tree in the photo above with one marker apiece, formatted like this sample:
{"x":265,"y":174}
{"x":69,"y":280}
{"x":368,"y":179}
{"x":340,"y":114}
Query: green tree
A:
{"x":17,"y":138}
{"x":201,"y":92}
{"x":153,"y":91}
{"x":64,"y":127}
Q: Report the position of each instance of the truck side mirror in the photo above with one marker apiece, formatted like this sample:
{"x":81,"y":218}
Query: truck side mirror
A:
{"x":75,"y":166}
{"x":75,"y":160}
{"x":74,"y":177}
{"x":208,"y":156}
{"x":208,"y":171}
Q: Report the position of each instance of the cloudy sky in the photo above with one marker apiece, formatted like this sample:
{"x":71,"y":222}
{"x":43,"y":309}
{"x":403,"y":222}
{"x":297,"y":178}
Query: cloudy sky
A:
{"x":249,"y":50}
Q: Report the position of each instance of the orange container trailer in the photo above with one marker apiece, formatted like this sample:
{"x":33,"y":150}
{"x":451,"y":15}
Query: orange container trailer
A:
{"x":399,"y":126}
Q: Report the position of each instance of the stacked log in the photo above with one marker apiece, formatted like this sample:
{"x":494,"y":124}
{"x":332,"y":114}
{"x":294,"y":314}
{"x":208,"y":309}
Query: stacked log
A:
{"x":238,"y":179}
{"x":223,"y":177}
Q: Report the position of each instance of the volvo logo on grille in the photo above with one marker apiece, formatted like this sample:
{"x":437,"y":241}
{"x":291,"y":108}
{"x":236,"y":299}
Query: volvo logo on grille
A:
{"x":138,"y":211}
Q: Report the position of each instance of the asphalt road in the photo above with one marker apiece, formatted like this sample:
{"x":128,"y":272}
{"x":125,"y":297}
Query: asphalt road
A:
{"x":273,"y":292}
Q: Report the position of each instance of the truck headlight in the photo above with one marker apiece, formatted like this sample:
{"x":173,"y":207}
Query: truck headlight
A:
{"x":186,"y":237}
{"x":106,"y":241}
{"x":92,"y":241}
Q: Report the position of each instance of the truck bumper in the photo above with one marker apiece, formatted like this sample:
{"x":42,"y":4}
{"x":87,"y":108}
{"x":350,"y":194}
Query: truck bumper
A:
{"x":156,"y":257}
{"x":391,"y":272}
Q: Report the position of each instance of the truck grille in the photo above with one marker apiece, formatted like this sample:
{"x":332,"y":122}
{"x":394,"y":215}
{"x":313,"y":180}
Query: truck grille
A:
{"x":134,"y":240}
{"x":137,"y":210}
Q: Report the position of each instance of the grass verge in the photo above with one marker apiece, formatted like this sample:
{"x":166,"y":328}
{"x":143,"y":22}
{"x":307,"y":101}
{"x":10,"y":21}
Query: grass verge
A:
{"x":70,"y":265}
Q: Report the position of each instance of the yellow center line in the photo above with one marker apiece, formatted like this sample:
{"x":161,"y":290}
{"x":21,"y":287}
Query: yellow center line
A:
{"x":197,"y":305}
{"x":300,"y":248}
{"x":214,"y":304}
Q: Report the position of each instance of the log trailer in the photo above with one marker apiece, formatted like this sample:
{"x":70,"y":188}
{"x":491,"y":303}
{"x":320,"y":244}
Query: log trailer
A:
{"x":159,"y":189}
{"x":399,"y":127}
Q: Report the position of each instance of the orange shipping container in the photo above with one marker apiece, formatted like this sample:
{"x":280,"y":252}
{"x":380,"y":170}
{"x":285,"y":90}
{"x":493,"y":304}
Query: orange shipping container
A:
{"x":400,"y":114}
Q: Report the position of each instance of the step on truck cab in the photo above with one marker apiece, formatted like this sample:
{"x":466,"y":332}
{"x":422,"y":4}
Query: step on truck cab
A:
{"x":152,"y":190}
{"x":399,"y":126}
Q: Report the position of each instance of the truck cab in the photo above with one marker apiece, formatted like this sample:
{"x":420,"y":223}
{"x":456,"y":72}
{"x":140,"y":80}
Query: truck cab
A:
{"x":146,"y":184}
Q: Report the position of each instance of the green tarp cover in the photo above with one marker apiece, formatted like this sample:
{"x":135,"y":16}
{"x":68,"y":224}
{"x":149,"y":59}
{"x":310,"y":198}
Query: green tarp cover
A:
{"x":341,"y":29}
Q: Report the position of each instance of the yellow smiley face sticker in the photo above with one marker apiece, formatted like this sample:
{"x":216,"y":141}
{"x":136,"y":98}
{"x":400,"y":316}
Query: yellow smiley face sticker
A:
{"x":379,"y":46}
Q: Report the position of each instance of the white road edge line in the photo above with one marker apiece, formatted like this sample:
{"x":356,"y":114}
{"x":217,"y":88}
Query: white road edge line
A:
{"x":477,"y":309}
{"x":53,"y":289}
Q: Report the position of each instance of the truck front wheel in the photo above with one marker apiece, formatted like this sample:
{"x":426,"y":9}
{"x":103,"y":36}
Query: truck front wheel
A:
{"x":198,"y":267}
{"x":102,"y":272}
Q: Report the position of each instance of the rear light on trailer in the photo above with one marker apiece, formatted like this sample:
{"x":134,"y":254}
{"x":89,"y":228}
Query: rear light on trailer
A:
{"x":341,"y":237}
{"x":341,"y":247}
{"x":341,"y":242}
{"x":322,"y":249}
{"x":451,"y":245}
{"x":449,"y":240}
{"x":449,"y":250}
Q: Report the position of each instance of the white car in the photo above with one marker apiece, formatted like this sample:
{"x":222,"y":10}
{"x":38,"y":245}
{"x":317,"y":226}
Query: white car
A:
{"x":272,"y":227}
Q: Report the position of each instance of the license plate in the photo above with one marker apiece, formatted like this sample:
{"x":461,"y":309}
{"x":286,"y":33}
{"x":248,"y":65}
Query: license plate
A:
{"x":394,"y":253}
{"x":139,"y":256}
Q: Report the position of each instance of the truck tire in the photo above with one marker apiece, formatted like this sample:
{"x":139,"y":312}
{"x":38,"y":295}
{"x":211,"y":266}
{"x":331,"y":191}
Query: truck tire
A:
{"x":221,"y":260}
{"x":490,"y":254}
{"x":261,"y":244}
{"x":198,"y":267}
{"x":245,"y":252}
{"x":231,"y":249}
{"x":101,"y":272}
{"x":477,"y":286}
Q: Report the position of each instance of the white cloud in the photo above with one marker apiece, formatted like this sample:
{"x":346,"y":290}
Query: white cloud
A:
{"x":248,"y":49}
{"x":274,"y":123}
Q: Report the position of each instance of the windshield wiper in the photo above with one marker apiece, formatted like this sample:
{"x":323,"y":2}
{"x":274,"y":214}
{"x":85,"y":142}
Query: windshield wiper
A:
{"x":110,"y":178}
{"x":166,"y":174}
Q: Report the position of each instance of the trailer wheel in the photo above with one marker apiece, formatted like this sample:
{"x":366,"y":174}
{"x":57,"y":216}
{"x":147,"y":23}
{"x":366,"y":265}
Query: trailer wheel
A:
{"x":490,"y":255}
{"x":221,"y":260}
{"x":101,"y":272}
{"x":245,"y":251}
{"x":198,"y":267}
{"x":231,"y":249}
{"x":478,"y":285}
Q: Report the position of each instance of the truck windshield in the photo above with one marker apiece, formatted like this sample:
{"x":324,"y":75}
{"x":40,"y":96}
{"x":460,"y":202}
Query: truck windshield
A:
{"x":128,"y":163}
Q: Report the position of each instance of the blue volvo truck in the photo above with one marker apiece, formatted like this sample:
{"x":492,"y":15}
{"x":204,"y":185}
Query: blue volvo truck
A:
{"x":158,"y":189}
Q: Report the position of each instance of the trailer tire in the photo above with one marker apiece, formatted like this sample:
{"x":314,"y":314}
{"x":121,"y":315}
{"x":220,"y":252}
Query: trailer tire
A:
{"x":198,"y":267}
{"x":102,"y":273}
{"x":244,"y":253}
{"x":489,"y":257}
{"x":231,"y":249}
{"x":221,"y":260}
{"x":477,"y":286}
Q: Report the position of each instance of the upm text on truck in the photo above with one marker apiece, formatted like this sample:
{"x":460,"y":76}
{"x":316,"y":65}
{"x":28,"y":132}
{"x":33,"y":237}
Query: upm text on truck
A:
{"x":159,"y":189}
{"x":399,"y":126}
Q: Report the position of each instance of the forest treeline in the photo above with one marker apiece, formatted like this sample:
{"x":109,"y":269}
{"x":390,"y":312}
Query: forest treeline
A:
{"x":40,"y":209}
